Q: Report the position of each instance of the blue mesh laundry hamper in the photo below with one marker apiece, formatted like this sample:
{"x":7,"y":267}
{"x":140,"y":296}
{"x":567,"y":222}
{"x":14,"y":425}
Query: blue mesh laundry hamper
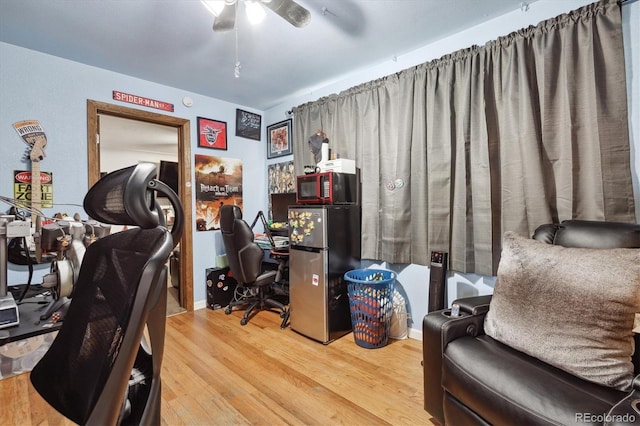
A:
{"x":371,"y":305}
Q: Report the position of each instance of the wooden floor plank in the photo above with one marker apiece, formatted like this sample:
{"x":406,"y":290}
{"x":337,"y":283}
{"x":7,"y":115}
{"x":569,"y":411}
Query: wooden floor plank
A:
{"x":217,"y":372}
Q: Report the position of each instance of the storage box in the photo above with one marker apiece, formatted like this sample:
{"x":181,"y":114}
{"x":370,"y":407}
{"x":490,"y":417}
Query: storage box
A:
{"x":221,"y":287}
{"x":341,"y":165}
{"x":21,"y":356}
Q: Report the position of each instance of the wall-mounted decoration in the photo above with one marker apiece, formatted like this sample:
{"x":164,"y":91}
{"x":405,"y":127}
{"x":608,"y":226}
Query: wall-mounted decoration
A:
{"x":248,"y":124}
{"x":139,"y":100}
{"x":22,"y":185}
{"x":218,"y":182}
{"x":279,"y":141}
{"x":281,"y":178}
{"x":212,"y":133}
{"x":33,"y":135}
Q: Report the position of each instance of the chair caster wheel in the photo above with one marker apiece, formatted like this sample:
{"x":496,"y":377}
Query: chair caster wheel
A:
{"x":227,"y":310}
{"x":283,"y":314}
{"x":243,"y":321}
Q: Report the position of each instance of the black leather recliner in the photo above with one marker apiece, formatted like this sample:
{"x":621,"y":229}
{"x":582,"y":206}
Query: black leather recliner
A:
{"x":464,"y":368}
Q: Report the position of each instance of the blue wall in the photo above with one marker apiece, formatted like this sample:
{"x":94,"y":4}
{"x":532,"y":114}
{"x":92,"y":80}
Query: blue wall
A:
{"x":55,"y":92}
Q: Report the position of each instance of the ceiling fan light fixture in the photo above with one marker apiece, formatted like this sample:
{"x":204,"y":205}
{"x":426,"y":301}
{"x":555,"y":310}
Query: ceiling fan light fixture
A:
{"x":214,"y":6}
{"x":255,"y":11}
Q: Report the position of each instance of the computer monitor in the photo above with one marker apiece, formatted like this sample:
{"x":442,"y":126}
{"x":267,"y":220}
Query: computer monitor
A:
{"x":168,"y":173}
{"x":280,"y":205}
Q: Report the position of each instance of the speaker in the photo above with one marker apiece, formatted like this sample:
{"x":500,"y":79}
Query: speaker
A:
{"x":437,"y":280}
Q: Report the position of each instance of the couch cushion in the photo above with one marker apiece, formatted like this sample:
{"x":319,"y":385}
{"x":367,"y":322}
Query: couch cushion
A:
{"x":573,"y":308}
{"x":504,"y":386}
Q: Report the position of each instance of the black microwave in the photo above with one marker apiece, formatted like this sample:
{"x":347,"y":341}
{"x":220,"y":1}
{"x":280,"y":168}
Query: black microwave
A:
{"x":327,"y":188}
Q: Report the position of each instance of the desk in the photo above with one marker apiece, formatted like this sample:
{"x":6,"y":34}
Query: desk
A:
{"x":280,"y":232}
{"x":23,"y":345}
{"x":30,"y":323}
{"x":270,"y":259}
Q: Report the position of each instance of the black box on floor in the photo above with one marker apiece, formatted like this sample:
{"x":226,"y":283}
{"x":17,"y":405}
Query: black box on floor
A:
{"x":221,"y":287}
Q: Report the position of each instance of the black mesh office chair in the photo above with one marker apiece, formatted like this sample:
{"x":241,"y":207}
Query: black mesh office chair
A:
{"x":245,"y":262}
{"x":100,"y":369}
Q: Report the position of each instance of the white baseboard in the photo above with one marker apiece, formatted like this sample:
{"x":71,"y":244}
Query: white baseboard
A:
{"x":415,"y":333}
{"x":200,"y":304}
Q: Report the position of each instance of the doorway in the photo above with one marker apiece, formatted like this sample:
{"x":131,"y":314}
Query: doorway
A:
{"x":95,"y":109}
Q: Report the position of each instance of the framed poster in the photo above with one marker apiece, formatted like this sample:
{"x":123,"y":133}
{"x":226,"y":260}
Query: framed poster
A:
{"x":212,"y":133}
{"x":281,"y":177}
{"x":279,"y":141}
{"x":248,"y":124}
{"x":218,"y":181}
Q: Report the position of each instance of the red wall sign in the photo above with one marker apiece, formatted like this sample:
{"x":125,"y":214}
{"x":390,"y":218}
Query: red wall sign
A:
{"x":139,"y":100}
{"x":25,"y":177}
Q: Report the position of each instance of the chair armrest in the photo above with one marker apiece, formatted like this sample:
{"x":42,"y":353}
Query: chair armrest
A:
{"x":477,"y":305}
{"x":627,"y":411}
{"x":266,"y":278}
{"x":438,"y":329}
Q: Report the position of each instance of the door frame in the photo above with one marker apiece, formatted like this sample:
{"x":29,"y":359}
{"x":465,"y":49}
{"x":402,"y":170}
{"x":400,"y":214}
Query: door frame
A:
{"x":183,"y":127}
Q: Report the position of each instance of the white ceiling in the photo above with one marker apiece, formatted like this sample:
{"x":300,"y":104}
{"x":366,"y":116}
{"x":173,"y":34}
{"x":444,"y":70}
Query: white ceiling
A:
{"x":171,"y":42}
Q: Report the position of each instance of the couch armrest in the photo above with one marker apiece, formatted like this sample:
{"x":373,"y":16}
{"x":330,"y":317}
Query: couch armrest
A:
{"x":627,"y":411}
{"x":438,"y":329}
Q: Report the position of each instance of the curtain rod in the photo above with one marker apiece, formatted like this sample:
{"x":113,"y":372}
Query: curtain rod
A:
{"x":289,"y":112}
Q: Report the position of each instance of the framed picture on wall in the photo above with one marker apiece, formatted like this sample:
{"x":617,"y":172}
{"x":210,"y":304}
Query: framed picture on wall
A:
{"x":218,"y":182}
{"x":279,"y":139}
{"x":248,"y":124}
{"x":212,"y":133}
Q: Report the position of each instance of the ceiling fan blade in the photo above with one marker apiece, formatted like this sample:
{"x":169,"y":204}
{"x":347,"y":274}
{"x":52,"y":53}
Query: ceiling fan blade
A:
{"x":226,"y":20}
{"x":291,"y":11}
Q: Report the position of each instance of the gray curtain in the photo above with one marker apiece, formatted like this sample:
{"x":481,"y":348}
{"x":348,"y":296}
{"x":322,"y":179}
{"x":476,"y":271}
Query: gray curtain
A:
{"x":528,"y":129}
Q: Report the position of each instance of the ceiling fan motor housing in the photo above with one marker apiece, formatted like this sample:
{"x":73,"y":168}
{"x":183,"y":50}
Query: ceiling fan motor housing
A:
{"x":225,"y":17}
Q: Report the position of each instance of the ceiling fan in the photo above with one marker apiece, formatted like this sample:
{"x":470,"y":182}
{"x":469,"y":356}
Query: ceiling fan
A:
{"x":225,"y":12}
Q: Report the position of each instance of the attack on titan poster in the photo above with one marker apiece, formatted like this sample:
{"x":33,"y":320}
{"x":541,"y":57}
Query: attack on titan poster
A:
{"x":218,"y":182}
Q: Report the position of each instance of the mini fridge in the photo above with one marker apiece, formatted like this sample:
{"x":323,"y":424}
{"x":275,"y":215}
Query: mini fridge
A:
{"x":324,"y":243}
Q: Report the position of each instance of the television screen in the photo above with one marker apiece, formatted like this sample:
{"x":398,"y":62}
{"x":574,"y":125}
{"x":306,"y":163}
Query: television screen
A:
{"x":280,"y":205}
{"x":168,"y":174}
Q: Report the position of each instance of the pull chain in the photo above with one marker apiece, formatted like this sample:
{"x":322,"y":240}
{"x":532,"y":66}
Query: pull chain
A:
{"x":236,"y":70}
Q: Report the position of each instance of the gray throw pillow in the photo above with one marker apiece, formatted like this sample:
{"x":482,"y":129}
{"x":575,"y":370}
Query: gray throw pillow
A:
{"x":573,"y":308}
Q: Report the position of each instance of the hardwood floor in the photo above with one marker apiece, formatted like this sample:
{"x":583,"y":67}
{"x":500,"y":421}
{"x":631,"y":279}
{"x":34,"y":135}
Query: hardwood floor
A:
{"x":217,"y":372}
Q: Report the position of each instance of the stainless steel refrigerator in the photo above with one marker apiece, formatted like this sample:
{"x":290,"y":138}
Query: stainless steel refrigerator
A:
{"x":324,"y":243}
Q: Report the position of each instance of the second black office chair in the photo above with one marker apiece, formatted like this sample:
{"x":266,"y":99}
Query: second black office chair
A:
{"x":245,"y":262}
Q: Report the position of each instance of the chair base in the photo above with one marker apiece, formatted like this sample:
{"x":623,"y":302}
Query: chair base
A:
{"x":262,"y":301}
